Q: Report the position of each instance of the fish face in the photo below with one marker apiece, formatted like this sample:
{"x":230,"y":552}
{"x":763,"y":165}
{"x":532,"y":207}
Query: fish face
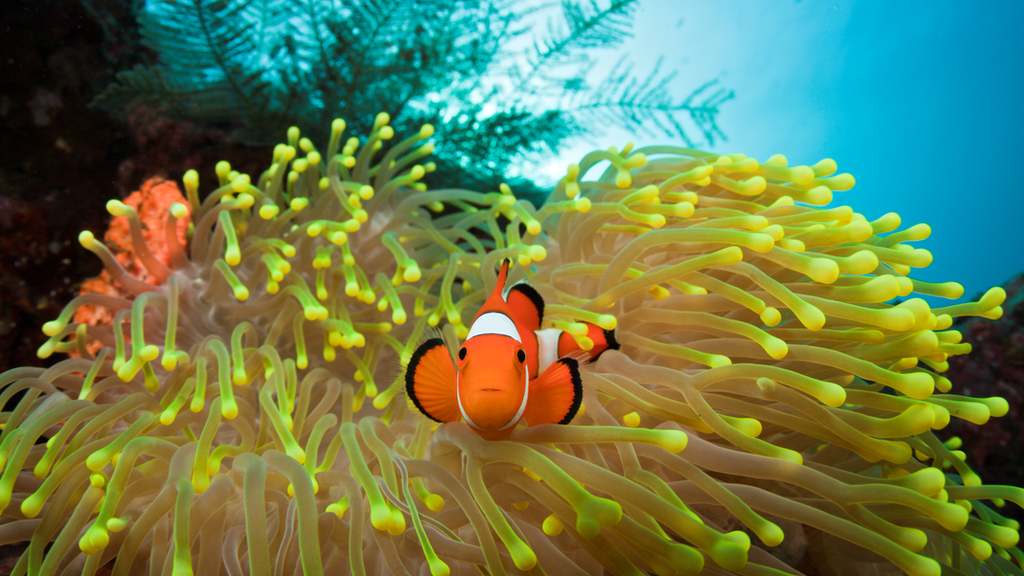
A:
{"x":492,"y":376}
{"x":498,"y":368}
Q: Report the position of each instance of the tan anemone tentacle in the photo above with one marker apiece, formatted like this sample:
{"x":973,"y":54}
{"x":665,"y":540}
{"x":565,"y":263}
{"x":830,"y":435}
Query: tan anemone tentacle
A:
{"x":769,"y":409}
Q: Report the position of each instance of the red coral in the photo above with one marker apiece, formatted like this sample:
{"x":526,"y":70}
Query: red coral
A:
{"x":152,"y":202}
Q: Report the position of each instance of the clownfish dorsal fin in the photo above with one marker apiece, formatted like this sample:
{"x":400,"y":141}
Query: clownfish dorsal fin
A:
{"x":499,"y":289}
{"x":527,"y":306}
{"x":556,"y":395}
{"x":496,"y":301}
{"x":430,"y":381}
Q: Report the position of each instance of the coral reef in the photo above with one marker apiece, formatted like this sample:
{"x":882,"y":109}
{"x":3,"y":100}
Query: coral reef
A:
{"x":52,"y":175}
{"x":769,"y":411}
{"x":151,"y":203}
{"x":55,"y":178}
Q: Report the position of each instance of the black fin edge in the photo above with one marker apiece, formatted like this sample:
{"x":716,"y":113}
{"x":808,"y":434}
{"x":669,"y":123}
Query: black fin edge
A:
{"x":610,"y":341}
{"x":410,"y":373}
{"x":577,"y":388}
{"x":534,"y":296}
{"x":609,"y":338}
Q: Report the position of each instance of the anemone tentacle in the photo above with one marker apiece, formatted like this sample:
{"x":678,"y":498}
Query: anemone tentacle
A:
{"x":770,"y":407}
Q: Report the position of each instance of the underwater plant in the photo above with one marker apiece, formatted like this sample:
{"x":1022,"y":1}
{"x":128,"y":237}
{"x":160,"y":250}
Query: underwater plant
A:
{"x":495,"y":90}
{"x":768,"y":411}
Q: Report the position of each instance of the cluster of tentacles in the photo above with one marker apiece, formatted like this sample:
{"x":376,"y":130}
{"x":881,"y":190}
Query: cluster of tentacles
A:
{"x":770,"y":411}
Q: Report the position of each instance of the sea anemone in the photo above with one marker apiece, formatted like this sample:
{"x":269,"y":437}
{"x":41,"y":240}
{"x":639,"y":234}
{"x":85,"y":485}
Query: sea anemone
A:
{"x":769,"y":410}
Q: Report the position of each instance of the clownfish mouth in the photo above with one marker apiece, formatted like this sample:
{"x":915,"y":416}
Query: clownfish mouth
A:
{"x":490,"y":390}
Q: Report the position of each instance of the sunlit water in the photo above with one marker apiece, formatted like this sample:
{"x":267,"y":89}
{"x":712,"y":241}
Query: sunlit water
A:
{"x":920,"y":101}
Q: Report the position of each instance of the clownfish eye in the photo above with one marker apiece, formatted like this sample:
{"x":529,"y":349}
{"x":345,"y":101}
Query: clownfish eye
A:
{"x":521,"y":356}
{"x":462,"y":353}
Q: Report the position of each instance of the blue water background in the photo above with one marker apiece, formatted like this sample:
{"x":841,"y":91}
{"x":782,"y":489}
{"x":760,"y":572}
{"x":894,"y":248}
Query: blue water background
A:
{"x":921,"y":101}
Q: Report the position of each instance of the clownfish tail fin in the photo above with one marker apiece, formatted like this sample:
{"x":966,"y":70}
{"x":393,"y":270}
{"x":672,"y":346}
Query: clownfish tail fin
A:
{"x":430,"y":381}
{"x":610,"y":341}
{"x":603,"y":340}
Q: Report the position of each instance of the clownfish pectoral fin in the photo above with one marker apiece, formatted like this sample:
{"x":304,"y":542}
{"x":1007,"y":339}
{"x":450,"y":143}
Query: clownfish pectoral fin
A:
{"x":430,"y":381}
{"x":555,"y":395}
{"x":527,"y":306}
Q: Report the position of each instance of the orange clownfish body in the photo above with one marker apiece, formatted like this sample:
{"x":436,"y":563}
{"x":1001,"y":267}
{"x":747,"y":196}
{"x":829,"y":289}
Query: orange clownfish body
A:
{"x":507,"y":370}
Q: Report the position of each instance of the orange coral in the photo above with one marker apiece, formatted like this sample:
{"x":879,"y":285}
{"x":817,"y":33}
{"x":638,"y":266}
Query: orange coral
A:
{"x":152,"y":201}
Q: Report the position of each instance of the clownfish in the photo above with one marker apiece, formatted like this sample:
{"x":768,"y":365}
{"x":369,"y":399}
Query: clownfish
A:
{"x":507,"y":370}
